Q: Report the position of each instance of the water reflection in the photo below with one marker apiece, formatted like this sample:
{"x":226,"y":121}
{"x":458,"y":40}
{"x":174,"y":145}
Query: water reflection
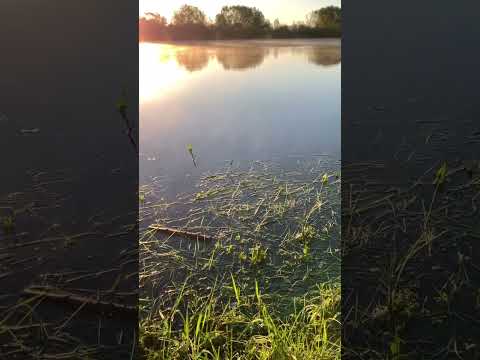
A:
{"x":193,"y":59}
{"x":236,"y":102}
{"x":159,"y":71}
{"x":196,"y":58}
{"x":324,"y":57}
{"x":241,"y":58}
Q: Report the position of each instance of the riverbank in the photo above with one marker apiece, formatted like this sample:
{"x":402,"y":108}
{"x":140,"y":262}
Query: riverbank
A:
{"x":154,"y":32}
{"x":318,"y":43}
{"x":334,"y":34}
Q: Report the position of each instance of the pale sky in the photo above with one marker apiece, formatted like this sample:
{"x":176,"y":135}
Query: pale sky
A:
{"x":286,"y":11}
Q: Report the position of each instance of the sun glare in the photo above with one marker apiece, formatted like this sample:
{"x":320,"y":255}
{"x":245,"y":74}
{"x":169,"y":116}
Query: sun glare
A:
{"x":159,"y":71}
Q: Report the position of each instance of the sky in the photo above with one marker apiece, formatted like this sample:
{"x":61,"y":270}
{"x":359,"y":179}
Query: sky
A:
{"x":286,"y":11}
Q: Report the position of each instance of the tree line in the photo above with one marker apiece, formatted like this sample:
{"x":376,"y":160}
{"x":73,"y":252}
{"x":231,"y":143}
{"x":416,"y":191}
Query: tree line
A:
{"x":237,"y":22}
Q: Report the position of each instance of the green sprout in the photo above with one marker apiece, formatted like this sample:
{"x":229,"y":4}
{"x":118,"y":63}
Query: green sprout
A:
{"x":190,"y":151}
{"x":441,"y":175}
{"x":229,"y":249}
{"x":242,"y":256}
{"x":325,"y":179}
{"x":122,"y":105}
{"x":8,"y":224}
{"x":257,"y":255}
{"x":306,"y":253}
{"x":395,"y":346}
{"x":307,"y":234}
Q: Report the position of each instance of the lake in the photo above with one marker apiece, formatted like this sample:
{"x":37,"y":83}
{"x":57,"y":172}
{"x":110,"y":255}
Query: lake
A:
{"x":237,"y":101}
{"x":240,"y":188}
{"x":263,"y":185}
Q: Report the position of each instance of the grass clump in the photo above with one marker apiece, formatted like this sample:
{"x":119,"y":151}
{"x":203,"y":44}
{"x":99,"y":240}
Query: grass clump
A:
{"x":258,"y":254}
{"x":244,"y":326}
{"x":306,"y":234}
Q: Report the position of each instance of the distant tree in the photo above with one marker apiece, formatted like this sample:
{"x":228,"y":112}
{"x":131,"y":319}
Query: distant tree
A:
{"x":155,"y":18}
{"x":283,"y":31}
{"x":189,"y":15}
{"x":153,"y":26}
{"x":236,"y":22}
{"x":241,"y":21}
{"x":240,"y":15}
{"x":330,"y":16}
{"x":190,"y":23}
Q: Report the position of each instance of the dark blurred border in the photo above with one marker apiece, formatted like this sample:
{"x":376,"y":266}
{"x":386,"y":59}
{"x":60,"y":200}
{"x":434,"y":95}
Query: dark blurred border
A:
{"x":69,"y":179}
{"x":410,"y":144}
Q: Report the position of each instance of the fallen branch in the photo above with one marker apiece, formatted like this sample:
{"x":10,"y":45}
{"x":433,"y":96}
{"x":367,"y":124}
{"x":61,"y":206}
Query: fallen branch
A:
{"x":48,"y":240}
{"x":55,"y":294}
{"x":184,"y":233}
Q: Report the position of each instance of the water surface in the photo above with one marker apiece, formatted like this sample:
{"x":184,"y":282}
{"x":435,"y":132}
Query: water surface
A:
{"x":237,"y":101}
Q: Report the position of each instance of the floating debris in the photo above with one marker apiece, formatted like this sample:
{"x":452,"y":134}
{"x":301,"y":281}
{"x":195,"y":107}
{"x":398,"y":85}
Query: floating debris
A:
{"x":30,"y":131}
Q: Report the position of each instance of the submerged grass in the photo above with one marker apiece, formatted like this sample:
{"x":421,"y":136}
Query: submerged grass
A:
{"x":52,"y":306}
{"x":418,"y":295}
{"x":264,"y":286}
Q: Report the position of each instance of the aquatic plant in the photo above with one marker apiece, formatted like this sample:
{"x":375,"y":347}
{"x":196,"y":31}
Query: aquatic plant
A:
{"x":122,"y":107}
{"x":441,"y":175}
{"x":306,"y":234}
{"x":190,"y":151}
{"x":257,"y":254}
{"x":8,"y":224}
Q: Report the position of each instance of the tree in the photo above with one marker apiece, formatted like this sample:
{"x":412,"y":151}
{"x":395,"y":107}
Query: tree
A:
{"x":241,"y":21}
{"x":189,"y":15}
{"x":241,"y":15}
{"x":276,"y":24}
{"x":153,"y":26}
{"x":236,"y":22}
{"x":154,"y":18}
{"x":330,"y":16}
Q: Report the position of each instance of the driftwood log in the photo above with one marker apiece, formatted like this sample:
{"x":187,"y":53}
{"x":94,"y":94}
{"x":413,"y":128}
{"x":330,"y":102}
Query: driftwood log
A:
{"x":56,"y":294}
{"x":183,"y":233}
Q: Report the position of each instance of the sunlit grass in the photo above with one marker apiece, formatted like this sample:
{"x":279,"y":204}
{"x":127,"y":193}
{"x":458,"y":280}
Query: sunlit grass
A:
{"x":244,"y":325}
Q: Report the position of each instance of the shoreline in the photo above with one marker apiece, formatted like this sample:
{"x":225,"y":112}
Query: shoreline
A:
{"x":330,"y":41}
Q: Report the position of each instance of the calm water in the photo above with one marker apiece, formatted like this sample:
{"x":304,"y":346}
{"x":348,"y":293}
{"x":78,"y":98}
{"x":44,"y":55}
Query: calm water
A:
{"x":237,"y":101}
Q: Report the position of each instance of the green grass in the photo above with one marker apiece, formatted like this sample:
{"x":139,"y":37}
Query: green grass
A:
{"x":244,"y":326}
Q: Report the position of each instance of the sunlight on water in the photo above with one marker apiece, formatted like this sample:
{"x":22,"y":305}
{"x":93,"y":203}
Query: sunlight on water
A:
{"x":159,"y":71}
{"x":237,"y":101}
